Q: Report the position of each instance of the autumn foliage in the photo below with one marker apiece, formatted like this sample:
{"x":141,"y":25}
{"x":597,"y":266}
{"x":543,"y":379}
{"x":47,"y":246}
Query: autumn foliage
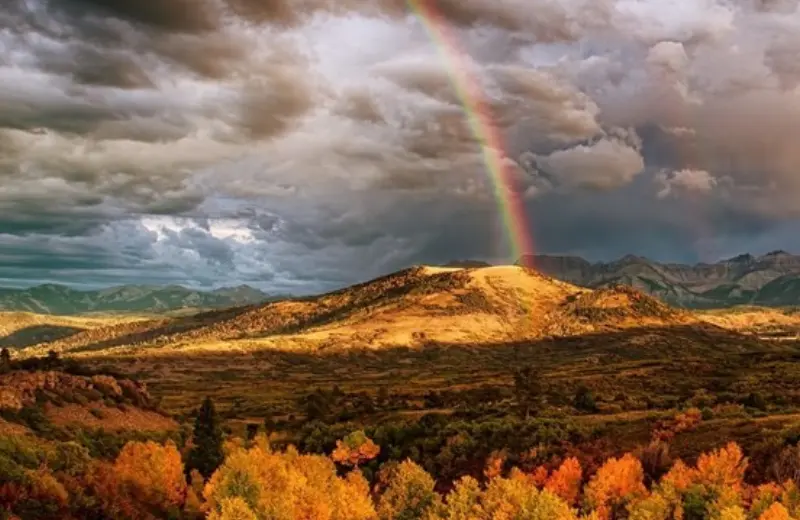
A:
{"x":261,"y":483}
{"x":355,"y":449}
{"x":256,"y":482}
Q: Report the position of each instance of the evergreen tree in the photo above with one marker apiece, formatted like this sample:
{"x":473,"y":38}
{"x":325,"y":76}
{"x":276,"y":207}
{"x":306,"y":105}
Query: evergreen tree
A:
{"x":529,"y":391}
{"x":5,"y":360}
{"x":206,"y":454}
{"x":584,"y":400}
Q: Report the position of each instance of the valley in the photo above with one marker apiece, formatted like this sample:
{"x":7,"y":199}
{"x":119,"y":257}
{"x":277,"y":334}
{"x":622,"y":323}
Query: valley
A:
{"x":438,"y":338}
{"x":444,"y":366}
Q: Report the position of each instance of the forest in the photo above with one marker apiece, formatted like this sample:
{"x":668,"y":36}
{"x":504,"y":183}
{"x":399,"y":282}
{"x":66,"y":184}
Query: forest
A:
{"x":206,"y":473}
{"x":535,"y":448}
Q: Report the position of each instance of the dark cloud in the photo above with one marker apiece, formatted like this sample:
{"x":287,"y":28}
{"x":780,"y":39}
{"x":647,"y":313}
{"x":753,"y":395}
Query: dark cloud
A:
{"x":310,"y":144}
{"x":271,"y":106}
{"x":90,"y":66}
{"x":167,"y":15}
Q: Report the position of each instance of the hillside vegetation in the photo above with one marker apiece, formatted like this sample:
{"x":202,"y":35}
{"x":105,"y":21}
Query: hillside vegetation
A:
{"x":415,"y":307}
{"x":450,"y":373}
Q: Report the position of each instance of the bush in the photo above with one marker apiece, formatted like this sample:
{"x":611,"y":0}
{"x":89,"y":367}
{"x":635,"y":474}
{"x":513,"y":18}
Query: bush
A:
{"x":755,"y":400}
{"x":584,"y":400}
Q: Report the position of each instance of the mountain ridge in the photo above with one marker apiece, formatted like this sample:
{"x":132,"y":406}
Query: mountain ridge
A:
{"x":57,"y":299}
{"x":772,"y":279}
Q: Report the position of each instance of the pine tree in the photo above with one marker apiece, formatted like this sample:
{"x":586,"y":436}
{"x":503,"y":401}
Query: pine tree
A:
{"x":206,"y":454}
{"x":530,"y":391}
{"x":584,"y":400}
{"x":5,"y":360}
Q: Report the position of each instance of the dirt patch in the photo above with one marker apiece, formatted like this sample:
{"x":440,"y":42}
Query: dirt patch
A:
{"x":109,"y":418}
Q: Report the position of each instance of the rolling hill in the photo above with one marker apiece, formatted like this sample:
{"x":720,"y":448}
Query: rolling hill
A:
{"x":22,"y":329}
{"x":411,"y":308}
{"x":770,"y":280}
{"x":62,"y":300}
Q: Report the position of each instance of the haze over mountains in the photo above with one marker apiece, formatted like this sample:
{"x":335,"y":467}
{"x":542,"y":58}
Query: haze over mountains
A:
{"x":769,"y":280}
{"x":60,"y":299}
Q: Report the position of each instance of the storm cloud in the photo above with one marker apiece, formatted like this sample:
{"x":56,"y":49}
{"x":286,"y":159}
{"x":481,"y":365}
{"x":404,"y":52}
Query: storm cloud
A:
{"x":304,"y":145}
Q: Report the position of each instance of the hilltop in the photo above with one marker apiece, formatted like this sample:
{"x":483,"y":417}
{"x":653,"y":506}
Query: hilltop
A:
{"x":411,"y":308}
{"x":62,"y":300}
{"x":769,"y":280}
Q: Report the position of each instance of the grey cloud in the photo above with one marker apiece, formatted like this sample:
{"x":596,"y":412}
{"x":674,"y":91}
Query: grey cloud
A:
{"x":273,"y":104}
{"x":692,"y":181}
{"x":605,"y":164}
{"x":359,"y":105}
{"x":87,"y":65}
{"x":168,"y":15}
{"x":310,"y":144}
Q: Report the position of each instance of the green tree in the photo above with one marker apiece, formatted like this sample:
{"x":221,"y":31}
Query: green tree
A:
{"x":206,"y":454}
{"x":529,"y":390}
{"x":584,"y":400}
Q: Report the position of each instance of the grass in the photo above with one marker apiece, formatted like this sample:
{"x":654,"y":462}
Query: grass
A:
{"x":637,"y":370}
{"x":641,"y":360}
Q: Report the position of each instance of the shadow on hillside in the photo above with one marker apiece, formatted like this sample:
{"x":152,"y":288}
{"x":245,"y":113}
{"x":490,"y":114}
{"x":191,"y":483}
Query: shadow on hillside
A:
{"x":175,"y":326}
{"x":36,"y":334}
{"x":636,"y":344}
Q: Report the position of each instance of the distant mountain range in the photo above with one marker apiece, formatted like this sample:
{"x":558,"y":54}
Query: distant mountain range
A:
{"x":769,"y":280}
{"x":59,"y":299}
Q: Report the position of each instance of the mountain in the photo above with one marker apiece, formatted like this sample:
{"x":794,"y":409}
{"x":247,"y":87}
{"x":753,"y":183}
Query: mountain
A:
{"x":62,"y":300}
{"x":416,"y":307}
{"x":770,"y":280}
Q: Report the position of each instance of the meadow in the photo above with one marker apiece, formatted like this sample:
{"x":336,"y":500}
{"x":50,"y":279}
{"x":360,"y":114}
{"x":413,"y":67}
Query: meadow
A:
{"x":745,"y":387}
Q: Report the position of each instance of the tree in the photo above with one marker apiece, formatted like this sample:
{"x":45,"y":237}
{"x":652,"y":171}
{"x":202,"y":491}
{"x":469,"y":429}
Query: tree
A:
{"x":261,"y":483}
{"x":206,"y":454}
{"x":355,"y":449}
{"x":145,"y":481}
{"x":529,"y":391}
{"x":5,"y":360}
{"x":515,"y":498}
{"x":565,"y":482}
{"x":409,"y":495}
{"x":383,"y":397}
{"x":317,"y":405}
{"x":152,"y":473}
{"x":584,"y":400}
{"x":615,"y":484}
{"x":775,"y":512}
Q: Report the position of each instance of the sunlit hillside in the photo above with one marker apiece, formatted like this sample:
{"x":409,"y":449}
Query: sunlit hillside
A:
{"x":415,"y":307}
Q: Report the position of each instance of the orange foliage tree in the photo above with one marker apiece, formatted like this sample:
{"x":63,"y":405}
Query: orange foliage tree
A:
{"x":355,"y":449}
{"x":616,"y":483}
{"x":145,"y":481}
{"x":565,"y":482}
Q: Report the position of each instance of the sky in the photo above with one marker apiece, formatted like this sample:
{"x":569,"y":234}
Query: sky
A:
{"x":302,"y":145}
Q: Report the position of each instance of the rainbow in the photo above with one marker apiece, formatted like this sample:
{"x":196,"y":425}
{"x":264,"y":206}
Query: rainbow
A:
{"x":478,"y":113}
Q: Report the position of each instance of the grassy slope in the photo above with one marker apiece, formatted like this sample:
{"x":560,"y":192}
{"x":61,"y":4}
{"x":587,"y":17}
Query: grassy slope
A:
{"x":476,"y":326}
